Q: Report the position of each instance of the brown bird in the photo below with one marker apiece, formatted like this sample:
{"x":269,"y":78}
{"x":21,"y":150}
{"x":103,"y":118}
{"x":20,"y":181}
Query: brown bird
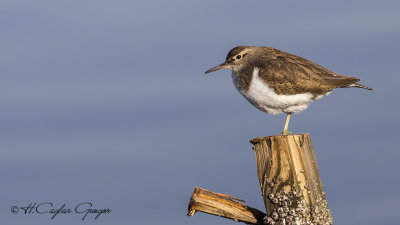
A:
{"x":278,"y":82}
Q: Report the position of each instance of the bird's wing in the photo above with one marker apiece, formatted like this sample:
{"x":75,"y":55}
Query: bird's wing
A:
{"x":291,"y":74}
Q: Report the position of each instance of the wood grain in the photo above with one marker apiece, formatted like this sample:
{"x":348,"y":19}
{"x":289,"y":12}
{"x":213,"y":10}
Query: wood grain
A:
{"x":290,"y":181}
{"x":224,"y":206}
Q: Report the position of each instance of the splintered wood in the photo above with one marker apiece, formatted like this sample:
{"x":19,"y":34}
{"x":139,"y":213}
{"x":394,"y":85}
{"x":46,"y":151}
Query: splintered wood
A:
{"x":290,"y":184}
{"x":290,"y":181}
{"x":224,"y":206}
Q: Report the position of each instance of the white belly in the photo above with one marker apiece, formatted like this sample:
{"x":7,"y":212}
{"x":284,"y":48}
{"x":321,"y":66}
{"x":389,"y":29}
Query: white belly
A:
{"x":264,"y":98}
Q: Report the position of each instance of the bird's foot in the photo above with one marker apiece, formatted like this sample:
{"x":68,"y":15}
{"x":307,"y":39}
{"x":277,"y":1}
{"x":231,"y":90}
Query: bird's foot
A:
{"x":285,"y":132}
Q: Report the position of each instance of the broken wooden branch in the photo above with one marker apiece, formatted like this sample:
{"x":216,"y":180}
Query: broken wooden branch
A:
{"x":224,"y":206}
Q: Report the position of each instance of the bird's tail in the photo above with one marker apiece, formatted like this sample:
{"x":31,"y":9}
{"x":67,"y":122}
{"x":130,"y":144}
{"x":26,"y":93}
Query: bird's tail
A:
{"x":361,"y":86}
{"x":347,"y":81}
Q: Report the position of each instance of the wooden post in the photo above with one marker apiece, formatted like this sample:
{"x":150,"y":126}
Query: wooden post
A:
{"x":290,"y":181}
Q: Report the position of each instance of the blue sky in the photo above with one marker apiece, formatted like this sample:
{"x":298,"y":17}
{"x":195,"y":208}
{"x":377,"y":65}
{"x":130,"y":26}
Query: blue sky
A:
{"x":107,"y":102}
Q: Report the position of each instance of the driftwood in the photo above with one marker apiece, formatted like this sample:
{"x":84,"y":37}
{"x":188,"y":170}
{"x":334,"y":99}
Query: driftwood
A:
{"x":223,"y":205}
{"x":290,"y":184}
{"x":290,"y":181}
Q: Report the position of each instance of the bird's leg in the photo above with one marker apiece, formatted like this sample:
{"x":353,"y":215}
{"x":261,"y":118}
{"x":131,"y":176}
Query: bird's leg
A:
{"x":285,"y":132}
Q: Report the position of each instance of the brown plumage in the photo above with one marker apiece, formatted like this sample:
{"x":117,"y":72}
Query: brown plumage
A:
{"x":291,"y":74}
{"x":278,"y":82}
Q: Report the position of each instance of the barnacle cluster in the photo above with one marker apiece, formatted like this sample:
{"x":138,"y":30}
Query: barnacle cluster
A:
{"x":290,"y":208}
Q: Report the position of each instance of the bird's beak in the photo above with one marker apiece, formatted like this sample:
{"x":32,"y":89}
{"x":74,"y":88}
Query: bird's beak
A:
{"x":223,"y":65}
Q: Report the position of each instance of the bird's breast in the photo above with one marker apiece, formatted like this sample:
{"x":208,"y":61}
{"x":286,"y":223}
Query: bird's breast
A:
{"x":242,"y":80}
{"x":262,"y":96}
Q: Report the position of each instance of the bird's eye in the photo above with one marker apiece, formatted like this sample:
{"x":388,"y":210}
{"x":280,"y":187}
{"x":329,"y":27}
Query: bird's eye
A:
{"x":238,"y":57}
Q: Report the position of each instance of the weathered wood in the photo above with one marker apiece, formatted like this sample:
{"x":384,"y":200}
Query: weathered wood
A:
{"x":223,"y":205}
{"x":290,"y":180}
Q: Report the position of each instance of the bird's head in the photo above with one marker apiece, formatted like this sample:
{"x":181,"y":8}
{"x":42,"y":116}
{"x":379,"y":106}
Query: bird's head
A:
{"x":236,"y":59}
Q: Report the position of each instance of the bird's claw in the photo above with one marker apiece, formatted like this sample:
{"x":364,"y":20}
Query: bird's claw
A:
{"x":285,"y":132}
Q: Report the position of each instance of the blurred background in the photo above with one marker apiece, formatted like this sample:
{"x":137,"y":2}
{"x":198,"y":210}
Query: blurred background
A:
{"x":107,"y":102}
